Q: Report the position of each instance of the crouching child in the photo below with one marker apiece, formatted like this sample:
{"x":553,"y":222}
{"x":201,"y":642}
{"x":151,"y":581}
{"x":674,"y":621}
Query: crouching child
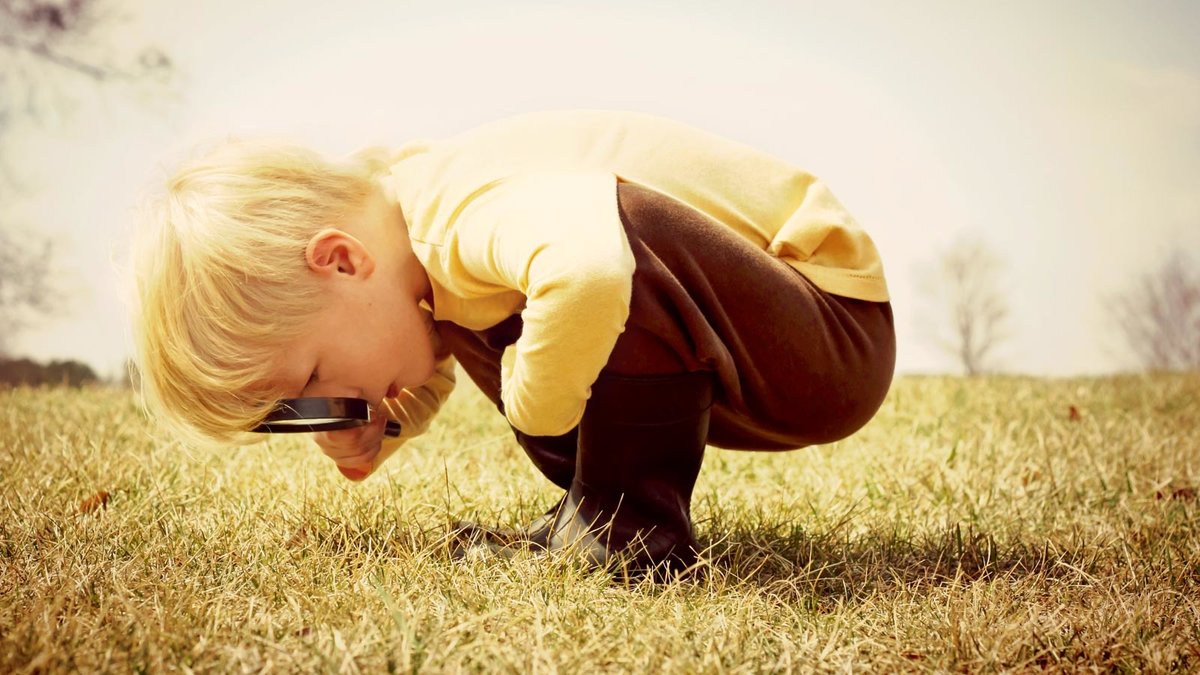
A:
{"x":626,"y":289}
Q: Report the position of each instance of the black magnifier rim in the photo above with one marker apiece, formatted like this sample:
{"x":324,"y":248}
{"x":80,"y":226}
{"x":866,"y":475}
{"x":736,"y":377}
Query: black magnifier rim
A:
{"x":311,"y":407}
{"x":339,"y":413}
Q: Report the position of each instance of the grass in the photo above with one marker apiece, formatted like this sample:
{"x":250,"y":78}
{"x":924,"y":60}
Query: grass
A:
{"x":973,"y":525}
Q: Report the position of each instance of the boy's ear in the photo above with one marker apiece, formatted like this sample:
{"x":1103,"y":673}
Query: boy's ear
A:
{"x":332,"y":251}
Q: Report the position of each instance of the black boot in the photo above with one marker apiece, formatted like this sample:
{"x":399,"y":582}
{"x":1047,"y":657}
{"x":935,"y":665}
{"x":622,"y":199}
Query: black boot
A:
{"x":640,"y":446}
{"x":554,"y":456}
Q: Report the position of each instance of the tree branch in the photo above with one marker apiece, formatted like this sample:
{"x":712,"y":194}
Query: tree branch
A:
{"x":41,"y":50}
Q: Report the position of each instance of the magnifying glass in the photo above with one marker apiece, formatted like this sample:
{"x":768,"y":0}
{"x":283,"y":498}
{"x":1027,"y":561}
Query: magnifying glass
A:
{"x":319,"y":413}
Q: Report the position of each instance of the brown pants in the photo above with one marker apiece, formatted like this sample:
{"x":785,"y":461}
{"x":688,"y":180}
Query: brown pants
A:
{"x":794,"y":366}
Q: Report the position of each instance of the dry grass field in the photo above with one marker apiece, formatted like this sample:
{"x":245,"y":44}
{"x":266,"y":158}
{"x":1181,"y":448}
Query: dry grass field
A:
{"x":993,"y":524}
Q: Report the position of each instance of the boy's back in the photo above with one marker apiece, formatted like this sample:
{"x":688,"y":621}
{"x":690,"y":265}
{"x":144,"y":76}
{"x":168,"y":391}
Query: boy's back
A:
{"x":766,"y":200}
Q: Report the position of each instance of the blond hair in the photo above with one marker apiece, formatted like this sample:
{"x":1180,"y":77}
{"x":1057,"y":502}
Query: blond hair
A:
{"x":220,"y":283}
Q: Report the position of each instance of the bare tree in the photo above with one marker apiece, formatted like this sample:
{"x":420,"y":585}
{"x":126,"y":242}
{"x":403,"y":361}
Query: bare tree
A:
{"x":967,"y":312}
{"x":46,"y":43}
{"x":23,"y":285}
{"x":47,"y":47}
{"x":1158,"y":315}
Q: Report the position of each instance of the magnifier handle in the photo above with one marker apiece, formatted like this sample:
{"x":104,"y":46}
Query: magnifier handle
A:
{"x":392,"y":429}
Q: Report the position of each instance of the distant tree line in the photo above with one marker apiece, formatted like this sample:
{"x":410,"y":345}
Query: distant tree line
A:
{"x":16,"y":372}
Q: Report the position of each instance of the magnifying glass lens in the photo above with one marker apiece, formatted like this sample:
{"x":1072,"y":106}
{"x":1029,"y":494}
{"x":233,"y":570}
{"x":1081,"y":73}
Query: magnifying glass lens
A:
{"x":314,"y":413}
{"x":312,"y":422}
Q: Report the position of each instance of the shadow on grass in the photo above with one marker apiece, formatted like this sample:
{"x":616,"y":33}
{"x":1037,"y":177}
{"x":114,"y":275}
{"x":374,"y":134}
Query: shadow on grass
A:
{"x":818,"y":565}
{"x":835,"y":564}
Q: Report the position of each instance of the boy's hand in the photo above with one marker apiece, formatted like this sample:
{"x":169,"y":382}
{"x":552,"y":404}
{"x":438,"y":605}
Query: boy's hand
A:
{"x":354,"y":450}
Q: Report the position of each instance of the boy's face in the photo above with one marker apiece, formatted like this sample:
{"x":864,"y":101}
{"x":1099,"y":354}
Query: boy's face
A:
{"x":370,"y":338}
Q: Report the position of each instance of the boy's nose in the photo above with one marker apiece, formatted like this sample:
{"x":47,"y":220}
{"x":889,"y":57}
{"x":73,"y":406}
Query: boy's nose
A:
{"x":352,"y":474}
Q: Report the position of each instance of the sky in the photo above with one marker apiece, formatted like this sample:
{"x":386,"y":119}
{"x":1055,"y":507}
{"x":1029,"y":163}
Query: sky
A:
{"x":1064,"y":135}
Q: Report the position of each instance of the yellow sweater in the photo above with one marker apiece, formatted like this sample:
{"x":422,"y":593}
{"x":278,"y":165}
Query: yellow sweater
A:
{"x":520,"y":215}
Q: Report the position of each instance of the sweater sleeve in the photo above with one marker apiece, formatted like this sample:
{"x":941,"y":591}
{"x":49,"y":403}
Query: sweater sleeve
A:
{"x":415,"y":408}
{"x":557,"y":238}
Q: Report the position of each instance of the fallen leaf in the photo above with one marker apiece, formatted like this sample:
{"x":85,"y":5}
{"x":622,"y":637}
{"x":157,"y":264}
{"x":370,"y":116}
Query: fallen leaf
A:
{"x":298,"y":538}
{"x":1185,"y":493}
{"x":96,"y":501}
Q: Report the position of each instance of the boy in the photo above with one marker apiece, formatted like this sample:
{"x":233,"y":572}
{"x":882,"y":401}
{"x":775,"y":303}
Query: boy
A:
{"x":626,"y":289}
